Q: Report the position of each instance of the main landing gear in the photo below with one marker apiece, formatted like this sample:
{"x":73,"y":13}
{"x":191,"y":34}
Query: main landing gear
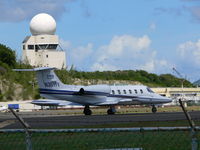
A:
{"x":154,"y":109}
{"x":111,"y":110}
{"x":87,"y":110}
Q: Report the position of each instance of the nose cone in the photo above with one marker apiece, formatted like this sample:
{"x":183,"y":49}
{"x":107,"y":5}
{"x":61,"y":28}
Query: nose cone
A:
{"x":164,"y":99}
{"x":167,"y":100}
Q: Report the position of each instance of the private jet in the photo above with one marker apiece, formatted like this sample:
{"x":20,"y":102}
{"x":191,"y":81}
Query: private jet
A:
{"x":51,"y":87}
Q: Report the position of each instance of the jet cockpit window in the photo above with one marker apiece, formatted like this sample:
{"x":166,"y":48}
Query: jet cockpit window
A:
{"x":113,"y":92}
{"x":149,"y":90}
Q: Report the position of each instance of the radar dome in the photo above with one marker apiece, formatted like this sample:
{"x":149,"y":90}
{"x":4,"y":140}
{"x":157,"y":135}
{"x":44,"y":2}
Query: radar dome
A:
{"x":42,"y":24}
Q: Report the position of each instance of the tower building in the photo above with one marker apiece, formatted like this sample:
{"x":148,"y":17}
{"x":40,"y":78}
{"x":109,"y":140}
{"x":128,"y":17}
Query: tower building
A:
{"x":42,"y":48}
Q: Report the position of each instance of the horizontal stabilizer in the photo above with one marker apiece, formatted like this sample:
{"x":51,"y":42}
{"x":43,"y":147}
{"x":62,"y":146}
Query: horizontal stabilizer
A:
{"x":36,"y":69}
{"x":50,"y":102}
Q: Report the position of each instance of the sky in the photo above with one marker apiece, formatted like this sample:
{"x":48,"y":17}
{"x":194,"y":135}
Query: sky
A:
{"x":151,"y":35}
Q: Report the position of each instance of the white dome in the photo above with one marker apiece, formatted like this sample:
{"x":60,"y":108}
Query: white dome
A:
{"x":42,"y":24}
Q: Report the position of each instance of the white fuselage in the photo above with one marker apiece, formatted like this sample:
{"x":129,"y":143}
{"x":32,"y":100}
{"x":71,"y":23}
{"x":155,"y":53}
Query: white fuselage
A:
{"x":106,"y":95}
{"x":97,"y":95}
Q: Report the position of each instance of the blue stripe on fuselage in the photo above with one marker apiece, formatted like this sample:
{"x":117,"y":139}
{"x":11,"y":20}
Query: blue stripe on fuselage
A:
{"x":52,"y":91}
{"x":65,"y":92}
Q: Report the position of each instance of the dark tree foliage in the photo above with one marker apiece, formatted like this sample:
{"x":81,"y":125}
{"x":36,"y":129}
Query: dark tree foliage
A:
{"x":164,"y":80}
{"x":7,"y":56}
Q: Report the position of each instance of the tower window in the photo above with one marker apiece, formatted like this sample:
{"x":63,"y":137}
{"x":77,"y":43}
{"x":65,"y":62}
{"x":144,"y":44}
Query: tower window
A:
{"x":30,"y":46}
{"x":47,"y":56}
{"x":52,"y":46}
{"x":24,"y":46}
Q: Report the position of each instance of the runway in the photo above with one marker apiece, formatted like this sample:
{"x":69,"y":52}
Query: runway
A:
{"x":48,"y":121}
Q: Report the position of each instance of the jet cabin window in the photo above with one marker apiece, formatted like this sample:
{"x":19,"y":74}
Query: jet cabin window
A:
{"x":119,"y":92}
{"x":135,"y":91}
{"x":130,"y":91}
{"x":149,"y":90}
{"x":124,"y":91}
{"x":141,"y":91}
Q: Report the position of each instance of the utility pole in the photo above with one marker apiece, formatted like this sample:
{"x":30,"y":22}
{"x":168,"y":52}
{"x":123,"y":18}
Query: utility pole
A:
{"x":182,"y":80}
{"x":178,"y":73}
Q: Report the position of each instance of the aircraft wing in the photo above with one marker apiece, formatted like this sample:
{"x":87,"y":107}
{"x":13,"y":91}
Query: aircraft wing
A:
{"x":121,"y":101}
{"x":107,"y":103}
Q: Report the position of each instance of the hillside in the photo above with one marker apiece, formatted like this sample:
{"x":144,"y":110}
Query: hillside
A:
{"x":124,"y":77}
{"x":197,"y":83}
{"x":23,"y":85}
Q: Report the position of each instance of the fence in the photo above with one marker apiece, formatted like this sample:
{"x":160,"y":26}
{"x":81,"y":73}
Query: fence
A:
{"x":155,"y":138}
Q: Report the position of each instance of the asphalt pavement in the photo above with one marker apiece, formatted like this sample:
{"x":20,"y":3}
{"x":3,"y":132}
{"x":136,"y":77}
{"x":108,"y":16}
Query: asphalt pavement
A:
{"x":48,"y":120}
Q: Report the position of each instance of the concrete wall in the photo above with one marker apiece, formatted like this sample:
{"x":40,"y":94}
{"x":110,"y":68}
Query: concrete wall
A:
{"x":23,"y":105}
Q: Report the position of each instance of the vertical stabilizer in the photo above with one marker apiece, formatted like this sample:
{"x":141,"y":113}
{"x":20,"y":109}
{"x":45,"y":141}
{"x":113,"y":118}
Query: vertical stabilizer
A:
{"x":47,"y":79}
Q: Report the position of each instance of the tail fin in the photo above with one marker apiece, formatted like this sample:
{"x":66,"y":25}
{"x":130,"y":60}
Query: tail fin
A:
{"x":47,"y":79}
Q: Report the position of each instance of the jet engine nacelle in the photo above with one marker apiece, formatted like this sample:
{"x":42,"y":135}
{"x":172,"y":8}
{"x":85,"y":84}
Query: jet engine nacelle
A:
{"x":95,"y":88}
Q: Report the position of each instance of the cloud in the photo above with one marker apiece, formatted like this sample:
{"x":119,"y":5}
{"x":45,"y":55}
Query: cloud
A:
{"x":81,"y":53}
{"x":195,"y":12}
{"x":152,"y":26}
{"x":123,"y":52}
{"x":191,"y":6}
{"x":188,"y":58}
{"x":174,"y":11}
{"x":19,"y":10}
{"x":77,"y":56}
{"x":103,"y":67}
{"x":86,"y":11}
{"x":65,"y":44}
{"x":190,"y":52}
{"x":128,"y":43}
{"x":127,"y":52}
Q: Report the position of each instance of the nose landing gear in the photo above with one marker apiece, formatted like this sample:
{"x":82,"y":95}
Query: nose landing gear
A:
{"x":154,"y":109}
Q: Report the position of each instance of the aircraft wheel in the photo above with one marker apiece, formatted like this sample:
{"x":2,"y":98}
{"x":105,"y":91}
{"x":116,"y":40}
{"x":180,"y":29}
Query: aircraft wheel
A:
{"x":154,"y":109}
{"x":111,"y":111}
{"x":87,"y":112}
